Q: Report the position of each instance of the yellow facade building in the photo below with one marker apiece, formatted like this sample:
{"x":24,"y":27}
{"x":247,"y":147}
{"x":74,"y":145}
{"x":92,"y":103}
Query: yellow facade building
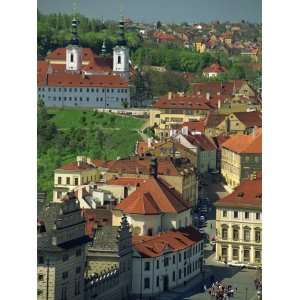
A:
{"x":241,"y":156}
{"x":72,"y":175}
{"x":239,"y":225}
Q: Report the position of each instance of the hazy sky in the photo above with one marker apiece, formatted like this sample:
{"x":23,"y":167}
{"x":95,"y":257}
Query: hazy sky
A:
{"x":164,"y":10}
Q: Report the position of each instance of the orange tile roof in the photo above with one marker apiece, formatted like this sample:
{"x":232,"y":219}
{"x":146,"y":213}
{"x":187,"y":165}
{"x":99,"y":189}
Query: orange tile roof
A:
{"x":74,"y":166}
{"x":154,"y":246}
{"x":154,"y":196}
{"x":214,"y":119}
{"x":241,"y":143}
{"x":247,"y":194}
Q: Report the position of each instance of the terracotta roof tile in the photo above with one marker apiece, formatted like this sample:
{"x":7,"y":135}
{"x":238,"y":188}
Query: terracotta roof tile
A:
{"x":153,"y":197}
{"x":201,"y":141}
{"x":153,"y":246}
{"x":195,"y":126}
{"x":241,"y":143}
{"x":247,"y":194}
{"x":250,"y":119}
{"x":126,"y":181}
{"x":214,"y":68}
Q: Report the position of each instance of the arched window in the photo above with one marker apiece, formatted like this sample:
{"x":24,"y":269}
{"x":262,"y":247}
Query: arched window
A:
{"x":72,"y":57}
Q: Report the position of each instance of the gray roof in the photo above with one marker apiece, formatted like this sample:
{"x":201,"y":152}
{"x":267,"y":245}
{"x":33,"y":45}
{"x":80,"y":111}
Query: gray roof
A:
{"x":105,"y":239}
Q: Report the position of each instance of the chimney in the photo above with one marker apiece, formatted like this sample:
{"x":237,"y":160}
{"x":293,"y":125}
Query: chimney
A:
{"x":219,"y":104}
{"x":170,"y":95}
{"x":207,"y":96}
{"x":153,"y":167}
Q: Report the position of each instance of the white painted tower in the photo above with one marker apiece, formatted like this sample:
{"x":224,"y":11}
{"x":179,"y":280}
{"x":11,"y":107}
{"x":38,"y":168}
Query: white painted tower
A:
{"x":73,"y":51}
{"x":121,"y":55}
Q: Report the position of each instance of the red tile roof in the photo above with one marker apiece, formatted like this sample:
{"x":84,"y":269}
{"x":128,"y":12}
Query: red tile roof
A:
{"x":214,"y":68}
{"x":73,"y":79}
{"x":220,"y":139}
{"x":250,"y":119}
{"x":126,"y":181}
{"x":154,"y":196}
{"x":247,"y":194}
{"x":164,"y":37}
{"x":74,"y":166}
{"x":60,"y":54}
{"x":241,"y":143}
{"x":142,"y":166}
{"x":153,"y":246}
{"x":198,"y":126}
{"x":201,"y":141}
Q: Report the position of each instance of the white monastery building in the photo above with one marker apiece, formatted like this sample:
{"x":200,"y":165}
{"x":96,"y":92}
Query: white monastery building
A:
{"x":76,"y":77}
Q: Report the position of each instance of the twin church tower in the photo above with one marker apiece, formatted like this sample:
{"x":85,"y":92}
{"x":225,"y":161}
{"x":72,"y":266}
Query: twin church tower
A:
{"x":120,"y":52}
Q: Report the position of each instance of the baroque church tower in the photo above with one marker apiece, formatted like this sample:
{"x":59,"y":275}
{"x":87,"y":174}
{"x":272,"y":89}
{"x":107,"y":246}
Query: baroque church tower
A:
{"x":73,"y":50}
{"x":121,"y":54}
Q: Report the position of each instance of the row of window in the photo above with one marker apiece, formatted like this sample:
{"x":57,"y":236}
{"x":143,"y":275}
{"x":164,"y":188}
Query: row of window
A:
{"x":54,"y":98}
{"x":236,"y":214}
{"x":196,"y":265}
{"x":76,"y":180}
{"x":64,"y":294}
{"x":92,"y":90}
{"x":246,"y":234}
{"x":186,"y":254}
{"x":236,"y":254}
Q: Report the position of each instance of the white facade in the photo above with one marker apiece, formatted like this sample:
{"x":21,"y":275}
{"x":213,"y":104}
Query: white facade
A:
{"x":94,"y":97}
{"x":154,"y":275}
{"x":73,"y":58}
{"x":121,"y":61}
{"x":144,"y":224}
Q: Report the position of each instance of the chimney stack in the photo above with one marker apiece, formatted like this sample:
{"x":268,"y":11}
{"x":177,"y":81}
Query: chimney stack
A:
{"x":153,"y":167}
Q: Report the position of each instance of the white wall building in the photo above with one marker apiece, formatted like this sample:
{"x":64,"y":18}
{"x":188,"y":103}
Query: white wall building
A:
{"x":165,"y":261}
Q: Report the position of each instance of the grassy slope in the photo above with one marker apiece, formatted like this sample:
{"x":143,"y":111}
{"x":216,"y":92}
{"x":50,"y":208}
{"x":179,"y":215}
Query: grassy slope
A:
{"x":120,"y":138}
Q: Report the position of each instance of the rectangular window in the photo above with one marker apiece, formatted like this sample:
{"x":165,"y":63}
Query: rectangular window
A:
{"x":87,"y":99}
{"x":257,"y":256}
{"x":179,"y":257}
{"x":65,"y":275}
{"x":77,"y":288}
{"x":166,"y":261}
{"x":257,"y":236}
{"x":64,"y":293}
{"x":246,"y":235}
{"x":41,"y":260}
{"x":70,"y":98}
{"x":157,"y":264}
{"x":87,"y":90}
{"x":157,"y":280}
{"x":179,"y":274}
{"x":68,"y":180}
{"x":59,"y":194}
{"x":78,"y":270}
{"x":173,"y":259}
{"x":235,"y":214}
{"x":235,"y":253}
{"x":41,"y":277}
{"x":119,"y":59}
{"x":146,"y":283}
{"x":224,"y":213}
{"x":257,"y":216}
{"x":92,"y":90}
{"x":173,"y":275}
{"x":246,"y":255}
{"x":70,"y":89}
{"x":235,"y":234}
{"x":184,"y":255}
{"x":147,"y":266}
{"x":246,"y":214}
{"x":76,"y":181}
{"x":59,"y":180}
